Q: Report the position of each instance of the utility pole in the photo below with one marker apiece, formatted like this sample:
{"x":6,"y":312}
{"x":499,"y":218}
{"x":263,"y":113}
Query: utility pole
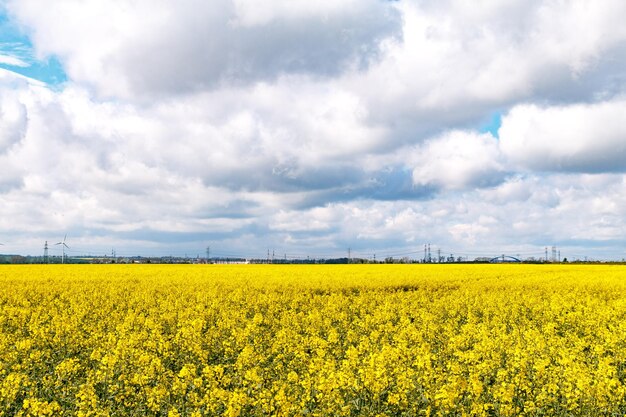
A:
{"x":208,"y":253}
{"x":425,"y":253}
{"x":546,"y":254}
{"x":439,"y":255}
{"x":349,"y":254}
{"x":45,"y":252}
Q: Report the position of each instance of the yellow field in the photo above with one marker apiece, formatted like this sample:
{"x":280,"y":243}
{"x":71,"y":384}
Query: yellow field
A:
{"x":312,"y":340}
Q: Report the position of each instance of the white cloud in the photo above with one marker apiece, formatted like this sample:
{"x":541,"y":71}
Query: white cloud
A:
{"x":331,"y":124}
{"x":458,"y":160}
{"x":469,"y":234}
{"x":456,"y":63}
{"x":12,"y":60}
{"x":575,"y":138}
{"x":253,"y":13}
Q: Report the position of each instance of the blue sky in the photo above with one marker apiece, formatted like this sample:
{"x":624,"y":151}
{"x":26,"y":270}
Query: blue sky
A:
{"x":15,"y":43}
{"x":492,"y":125}
{"x":308,"y":129}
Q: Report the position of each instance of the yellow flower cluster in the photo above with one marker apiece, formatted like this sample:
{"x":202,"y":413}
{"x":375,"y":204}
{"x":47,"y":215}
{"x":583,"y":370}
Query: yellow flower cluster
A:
{"x":383,"y":340}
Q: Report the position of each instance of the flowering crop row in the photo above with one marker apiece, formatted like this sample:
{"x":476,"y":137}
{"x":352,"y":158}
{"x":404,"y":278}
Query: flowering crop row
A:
{"x":350,"y":340}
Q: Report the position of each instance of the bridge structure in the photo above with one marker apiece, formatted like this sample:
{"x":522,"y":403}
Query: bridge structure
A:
{"x":505,"y":259}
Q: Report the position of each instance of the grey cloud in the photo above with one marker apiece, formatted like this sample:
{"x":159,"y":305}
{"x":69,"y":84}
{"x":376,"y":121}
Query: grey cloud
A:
{"x":214,"y":52}
{"x":284,"y":179}
{"x":389,"y":184}
{"x":13,"y":122}
{"x":10,"y":182}
{"x":238,"y":209}
{"x":173,"y":238}
{"x":193,"y":45}
{"x":395,"y":183}
{"x":325,"y":184}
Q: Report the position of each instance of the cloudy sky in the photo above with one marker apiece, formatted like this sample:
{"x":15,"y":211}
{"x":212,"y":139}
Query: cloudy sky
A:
{"x":307,"y":128}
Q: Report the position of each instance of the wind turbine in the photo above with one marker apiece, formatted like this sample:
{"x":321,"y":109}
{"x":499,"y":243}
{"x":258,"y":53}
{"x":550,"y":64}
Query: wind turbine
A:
{"x":63,"y":246}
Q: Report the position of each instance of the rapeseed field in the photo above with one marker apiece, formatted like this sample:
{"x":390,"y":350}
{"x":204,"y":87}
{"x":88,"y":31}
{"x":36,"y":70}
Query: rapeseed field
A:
{"x":383,"y":340}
